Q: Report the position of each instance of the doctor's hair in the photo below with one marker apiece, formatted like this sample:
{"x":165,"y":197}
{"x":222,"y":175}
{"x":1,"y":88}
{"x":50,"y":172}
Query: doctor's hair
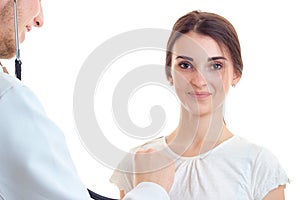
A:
{"x":208,"y":24}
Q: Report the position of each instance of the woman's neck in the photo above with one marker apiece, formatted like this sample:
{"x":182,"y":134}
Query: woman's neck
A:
{"x":198,"y":134}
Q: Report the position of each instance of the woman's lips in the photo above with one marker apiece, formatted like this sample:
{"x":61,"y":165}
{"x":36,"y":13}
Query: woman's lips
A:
{"x":199,"y":95}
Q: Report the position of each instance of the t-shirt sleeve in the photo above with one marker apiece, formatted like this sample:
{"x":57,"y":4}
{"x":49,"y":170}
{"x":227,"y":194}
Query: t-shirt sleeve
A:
{"x":122,"y":177}
{"x":267,"y":174}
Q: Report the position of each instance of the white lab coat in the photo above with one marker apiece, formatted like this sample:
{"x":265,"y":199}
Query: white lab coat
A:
{"x":35,"y":162}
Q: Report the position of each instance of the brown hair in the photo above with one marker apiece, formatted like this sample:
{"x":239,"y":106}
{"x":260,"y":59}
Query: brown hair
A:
{"x":209,"y":24}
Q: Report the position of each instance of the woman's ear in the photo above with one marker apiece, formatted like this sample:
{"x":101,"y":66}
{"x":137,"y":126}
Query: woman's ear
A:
{"x":236,"y":78}
{"x":170,"y":79}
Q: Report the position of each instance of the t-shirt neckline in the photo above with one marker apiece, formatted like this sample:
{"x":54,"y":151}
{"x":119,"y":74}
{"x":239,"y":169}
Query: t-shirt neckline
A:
{"x":202,"y":155}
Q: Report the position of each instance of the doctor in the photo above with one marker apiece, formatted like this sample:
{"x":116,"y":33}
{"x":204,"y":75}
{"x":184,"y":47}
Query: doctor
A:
{"x":35,"y":162}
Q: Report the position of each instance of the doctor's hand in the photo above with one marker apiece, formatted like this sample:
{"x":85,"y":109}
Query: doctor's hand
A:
{"x":154,"y":166}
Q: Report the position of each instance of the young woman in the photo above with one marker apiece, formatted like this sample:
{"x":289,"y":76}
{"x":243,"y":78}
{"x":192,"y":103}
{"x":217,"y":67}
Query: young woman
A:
{"x":203,"y":62}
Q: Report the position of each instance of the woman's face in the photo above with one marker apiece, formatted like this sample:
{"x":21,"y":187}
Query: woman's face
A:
{"x":202,"y":73}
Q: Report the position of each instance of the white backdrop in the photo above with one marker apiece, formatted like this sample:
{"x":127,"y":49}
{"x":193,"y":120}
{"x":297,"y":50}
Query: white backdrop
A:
{"x":262,"y":108}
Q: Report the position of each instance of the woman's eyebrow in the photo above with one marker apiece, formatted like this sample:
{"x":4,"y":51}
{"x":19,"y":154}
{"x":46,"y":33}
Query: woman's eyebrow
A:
{"x":185,"y":57}
{"x":216,"y":58}
{"x":209,"y":59}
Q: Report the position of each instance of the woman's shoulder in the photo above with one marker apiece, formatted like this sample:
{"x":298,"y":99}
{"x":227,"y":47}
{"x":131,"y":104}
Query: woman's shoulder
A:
{"x":261,"y":160}
{"x":157,"y":143}
{"x":244,"y":144}
{"x":246,"y":148}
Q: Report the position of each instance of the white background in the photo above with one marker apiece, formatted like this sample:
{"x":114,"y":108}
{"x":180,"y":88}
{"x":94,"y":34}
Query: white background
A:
{"x":263,"y":107}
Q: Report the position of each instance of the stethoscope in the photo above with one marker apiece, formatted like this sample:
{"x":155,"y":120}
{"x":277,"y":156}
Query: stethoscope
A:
{"x":18,"y":62}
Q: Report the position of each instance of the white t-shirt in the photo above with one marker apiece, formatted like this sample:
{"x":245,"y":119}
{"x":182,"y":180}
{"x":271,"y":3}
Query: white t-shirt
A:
{"x":235,"y":169}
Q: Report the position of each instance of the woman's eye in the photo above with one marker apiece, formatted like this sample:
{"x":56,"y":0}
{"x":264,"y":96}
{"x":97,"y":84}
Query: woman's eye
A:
{"x":216,"y":66}
{"x":185,"y":65}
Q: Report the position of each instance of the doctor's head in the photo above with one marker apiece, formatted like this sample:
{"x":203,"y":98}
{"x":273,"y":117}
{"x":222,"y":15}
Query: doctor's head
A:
{"x":30,"y":15}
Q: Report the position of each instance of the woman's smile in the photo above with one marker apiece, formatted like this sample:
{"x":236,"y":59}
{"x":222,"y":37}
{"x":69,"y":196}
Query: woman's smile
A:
{"x":200,"y":95}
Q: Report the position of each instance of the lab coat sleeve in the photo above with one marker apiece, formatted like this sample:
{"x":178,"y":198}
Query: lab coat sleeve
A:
{"x":35,"y":162}
{"x":147,"y":191}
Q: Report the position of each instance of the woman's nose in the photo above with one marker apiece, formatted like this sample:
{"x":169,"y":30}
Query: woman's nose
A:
{"x":198,"y":79}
